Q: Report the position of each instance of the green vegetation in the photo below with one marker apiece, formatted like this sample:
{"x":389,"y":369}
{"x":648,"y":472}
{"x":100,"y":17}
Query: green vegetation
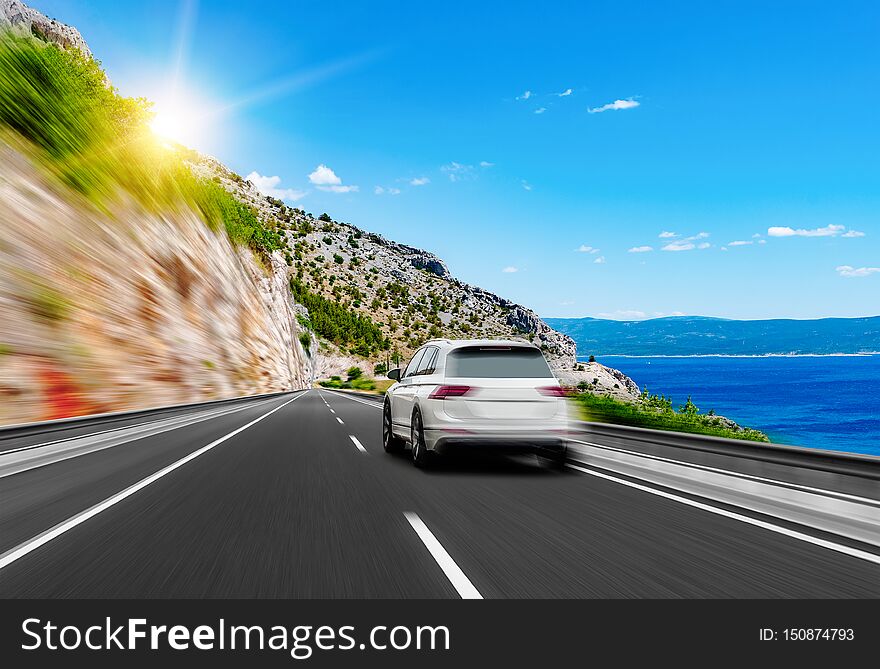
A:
{"x":355,"y":380}
{"x":338,"y":323}
{"x":306,"y":340}
{"x":99,"y":143}
{"x":656,"y":412}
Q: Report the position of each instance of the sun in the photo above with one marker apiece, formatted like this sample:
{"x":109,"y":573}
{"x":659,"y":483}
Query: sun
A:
{"x":180,"y":121}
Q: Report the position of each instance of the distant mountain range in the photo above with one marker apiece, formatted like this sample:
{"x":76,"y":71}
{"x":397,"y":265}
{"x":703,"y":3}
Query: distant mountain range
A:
{"x":699,"y":335}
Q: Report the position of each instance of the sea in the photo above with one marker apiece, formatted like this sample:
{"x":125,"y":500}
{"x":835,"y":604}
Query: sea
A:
{"x":829,"y":402}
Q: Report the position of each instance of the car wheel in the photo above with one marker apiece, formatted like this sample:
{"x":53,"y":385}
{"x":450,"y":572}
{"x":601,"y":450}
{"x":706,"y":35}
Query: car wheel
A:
{"x":420,"y":454}
{"x":554,"y":459}
{"x":390,"y":442}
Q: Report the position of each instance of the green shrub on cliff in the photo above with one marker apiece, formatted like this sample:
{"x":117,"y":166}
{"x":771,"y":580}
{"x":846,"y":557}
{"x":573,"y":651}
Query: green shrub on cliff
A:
{"x":605,"y":409}
{"x":99,"y":142}
{"x":336,"y":322}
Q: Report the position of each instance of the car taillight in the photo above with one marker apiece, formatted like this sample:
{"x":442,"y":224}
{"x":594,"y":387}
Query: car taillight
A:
{"x":553,"y":391}
{"x":442,"y":392}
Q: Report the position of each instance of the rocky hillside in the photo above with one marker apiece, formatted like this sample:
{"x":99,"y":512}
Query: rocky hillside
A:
{"x":409,"y":293}
{"x":19,"y":17}
{"x":125,"y":309}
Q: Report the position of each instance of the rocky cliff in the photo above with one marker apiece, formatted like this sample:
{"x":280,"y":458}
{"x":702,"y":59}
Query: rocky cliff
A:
{"x":127,"y":309}
{"x":17,"y":16}
{"x":408,"y":292}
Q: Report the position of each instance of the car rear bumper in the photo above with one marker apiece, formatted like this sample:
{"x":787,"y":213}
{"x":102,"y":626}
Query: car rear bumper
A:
{"x":446,"y":441}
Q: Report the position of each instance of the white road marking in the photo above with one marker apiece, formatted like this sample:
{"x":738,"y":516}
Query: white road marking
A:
{"x":359,"y":445}
{"x":840,"y":548}
{"x":151,"y":423}
{"x":785,"y":484}
{"x":31,"y":545}
{"x":339,"y":420}
{"x":27,"y":459}
{"x":355,"y":399}
{"x":453,"y":572}
{"x":331,"y":411}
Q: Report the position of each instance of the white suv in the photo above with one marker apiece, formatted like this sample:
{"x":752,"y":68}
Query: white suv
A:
{"x":477,"y":393}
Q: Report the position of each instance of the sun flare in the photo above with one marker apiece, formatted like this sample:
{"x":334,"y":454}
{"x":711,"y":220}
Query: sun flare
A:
{"x":179,"y":121}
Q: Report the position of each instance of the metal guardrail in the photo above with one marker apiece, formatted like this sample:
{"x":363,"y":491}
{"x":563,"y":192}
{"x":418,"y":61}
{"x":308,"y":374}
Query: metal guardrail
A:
{"x":837,"y":462}
{"x":23,"y":429}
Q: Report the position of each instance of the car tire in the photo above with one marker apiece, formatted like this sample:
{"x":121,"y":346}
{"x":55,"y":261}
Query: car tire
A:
{"x":554,"y":460}
{"x":390,"y":442}
{"x":420,"y":454}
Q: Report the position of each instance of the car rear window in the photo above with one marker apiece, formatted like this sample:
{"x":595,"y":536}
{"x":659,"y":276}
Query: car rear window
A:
{"x":497,"y":362}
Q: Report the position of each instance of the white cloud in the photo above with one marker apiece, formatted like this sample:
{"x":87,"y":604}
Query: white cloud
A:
{"x":324,"y":176}
{"x":486,"y":163}
{"x":458,"y":171}
{"x":617,"y":104}
{"x":525,"y":96}
{"x":419,"y":181}
{"x":623,"y":315}
{"x":540,"y":110}
{"x":762,"y":241}
{"x":583,"y":248}
{"x":526,"y":185}
{"x":379,"y":190}
{"x":599,"y":261}
{"x":756,"y":235}
{"x":564,"y":93}
{"x":851,"y":272}
{"x":853,"y":233}
{"x":269,"y":186}
{"x":785,"y":231}
{"x":325,"y":179}
{"x":510,"y":269}
{"x":685,"y":243}
{"x":641,"y":249}
{"x":740,"y":242}
{"x":339,"y":189}
{"x":678,"y":246}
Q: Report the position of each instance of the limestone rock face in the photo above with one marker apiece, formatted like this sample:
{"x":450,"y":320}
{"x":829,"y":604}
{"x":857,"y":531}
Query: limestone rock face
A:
{"x":601,"y":380}
{"x":103,"y":312}
{"x":18,"y":16}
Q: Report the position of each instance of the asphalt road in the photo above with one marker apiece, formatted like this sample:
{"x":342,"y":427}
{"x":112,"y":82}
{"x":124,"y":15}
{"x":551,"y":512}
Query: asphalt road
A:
{"x":303,"y":502}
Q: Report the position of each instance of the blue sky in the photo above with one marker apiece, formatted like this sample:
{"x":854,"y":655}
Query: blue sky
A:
{"x":717,"y":122}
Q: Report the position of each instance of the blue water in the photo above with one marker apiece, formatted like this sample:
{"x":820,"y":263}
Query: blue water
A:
{"x":828,"y":402}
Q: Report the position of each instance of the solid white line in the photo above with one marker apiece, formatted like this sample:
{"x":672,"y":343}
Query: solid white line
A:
{"x":144,"y":434}
{"x":355,"y":399}
{"x":783,"y":484}
{"x":453,"y":572}
{"x":840,"y":548}
{"x":331,"y":411}
{"x":157,"y":421}
{"x":23,"y":549}
{"x":340,"y":420}
{"x":355,"y":441}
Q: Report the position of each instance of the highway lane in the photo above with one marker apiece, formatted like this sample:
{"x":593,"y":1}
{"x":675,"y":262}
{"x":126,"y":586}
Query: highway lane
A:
{"x":305,"y":503}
